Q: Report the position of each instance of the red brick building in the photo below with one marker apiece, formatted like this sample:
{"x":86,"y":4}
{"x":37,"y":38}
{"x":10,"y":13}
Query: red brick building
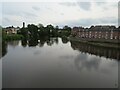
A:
{"x":98,"y":32}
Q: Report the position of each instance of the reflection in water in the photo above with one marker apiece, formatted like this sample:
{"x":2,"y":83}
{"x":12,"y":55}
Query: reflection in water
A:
{"x":4,"y":48}
{"x":54,"y":64}
{"x":24,"y":42}
{"x":41,"y":41}
{"x":98,"y":51}
{"x":84,"y":48}
{"x":13,"y":43}
{"x":65,"y":40}
{"x":81,"y":62}
{"x":32,"y":42}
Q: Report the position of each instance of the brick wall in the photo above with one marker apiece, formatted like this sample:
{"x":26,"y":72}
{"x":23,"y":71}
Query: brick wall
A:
{"x":97,"y":32}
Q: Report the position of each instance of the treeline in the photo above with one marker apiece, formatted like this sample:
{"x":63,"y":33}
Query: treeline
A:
{"x":37,"y":31}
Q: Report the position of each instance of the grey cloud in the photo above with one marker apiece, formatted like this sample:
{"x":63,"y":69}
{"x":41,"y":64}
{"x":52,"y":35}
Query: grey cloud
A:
{"x":101,"y":3}
{"x":8,"y":12}
{"x":7,"y":22}
{"x":6,"y":19}
{"x":29,"y":14}
{"x":84,"y":5}
{"x":35,"y":8}
{"x":68,"y":4}
{"x":67,"y":57}
{"x":48,"y":8}
{"x":20,"y":13}
{"x":37,"y":52}
{"x":82,"y":61}
{"x":109,"y":20}
{"x":61,"y":13}
{"x":89,"y":22}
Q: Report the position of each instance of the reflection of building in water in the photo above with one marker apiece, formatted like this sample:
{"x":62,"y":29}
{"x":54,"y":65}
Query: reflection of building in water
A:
{"x":96,"y":50}
{"x":13,"y":43}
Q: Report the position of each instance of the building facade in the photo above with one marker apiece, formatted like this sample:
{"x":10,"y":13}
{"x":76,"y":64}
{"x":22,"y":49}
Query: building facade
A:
{"x":11,"y":30}
{"x":97,"y":32}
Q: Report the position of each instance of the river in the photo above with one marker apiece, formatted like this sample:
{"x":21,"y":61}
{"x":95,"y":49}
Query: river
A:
{"x":58,"y":63}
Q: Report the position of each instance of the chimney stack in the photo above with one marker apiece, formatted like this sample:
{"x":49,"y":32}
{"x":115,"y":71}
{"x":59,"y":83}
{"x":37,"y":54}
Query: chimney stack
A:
{"x":23,"y":24}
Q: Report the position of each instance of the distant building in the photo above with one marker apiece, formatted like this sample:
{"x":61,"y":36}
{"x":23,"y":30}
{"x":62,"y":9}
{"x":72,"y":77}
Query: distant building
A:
{"x":11,"y":30}
{"x":98,"y":32}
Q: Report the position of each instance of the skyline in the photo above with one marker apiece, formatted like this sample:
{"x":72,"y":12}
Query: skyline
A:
{"x":60,"y":13}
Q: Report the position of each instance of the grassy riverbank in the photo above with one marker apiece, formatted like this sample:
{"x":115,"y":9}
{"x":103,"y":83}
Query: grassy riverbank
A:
{"x":12,"y":37}
{"x":102,"y":44}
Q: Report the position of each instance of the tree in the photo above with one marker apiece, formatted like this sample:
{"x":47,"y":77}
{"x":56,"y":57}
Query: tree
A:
{"x":33,"y":30}
{"x":57,"y":27}
{"x":66,"y":28}
{"x":24,"y":32}
{"x":40,"y":25}
{"x":50,"y":27}
{"x":66,"y":31}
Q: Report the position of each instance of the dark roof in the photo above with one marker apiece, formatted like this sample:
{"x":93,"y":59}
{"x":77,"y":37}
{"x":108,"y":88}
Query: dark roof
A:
{"x":99,"y":28}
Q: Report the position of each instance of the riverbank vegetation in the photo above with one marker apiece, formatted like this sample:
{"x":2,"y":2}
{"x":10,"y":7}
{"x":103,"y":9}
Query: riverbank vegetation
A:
{"x":37,"y":31}
{"x":7,"y":37}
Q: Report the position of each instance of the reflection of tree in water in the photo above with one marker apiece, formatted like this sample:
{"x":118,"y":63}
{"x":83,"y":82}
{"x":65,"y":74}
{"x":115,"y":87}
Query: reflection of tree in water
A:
{"x":64,"y":40}
{"x":56,"y":40}
{"x":13,"y":43}
{"x":24,"y":42}
{"x":5,"y":45}
{"x":43,"y":40}
{"x":40,"y":41}
{"x":49,"y":40}
{"x":97,"y":50}
{"x":32,"y":42}
{"x":4,"y":48}
{"x":0,"y":49}
{"x":82,"y":61}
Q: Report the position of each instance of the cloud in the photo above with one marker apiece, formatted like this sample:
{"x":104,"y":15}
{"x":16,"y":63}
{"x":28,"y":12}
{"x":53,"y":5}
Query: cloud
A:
{"x":6,"y":19}
{"x":61,"y":14}
{"x":11,"y":21}
{"x":36,"y":8}
{"x":84,"y":5}
{"x":82,"y":61}
{"x":89,"y":21}
{"x":28,"y":14}
{"x":68,"y":3}
{"x":101,"y":3}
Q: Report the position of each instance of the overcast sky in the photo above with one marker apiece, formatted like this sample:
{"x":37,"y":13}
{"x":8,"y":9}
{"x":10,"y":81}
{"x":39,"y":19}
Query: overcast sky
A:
{"x":60,"y":13}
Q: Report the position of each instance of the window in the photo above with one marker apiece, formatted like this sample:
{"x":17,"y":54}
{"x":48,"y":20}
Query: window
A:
{"x":115,"y":37}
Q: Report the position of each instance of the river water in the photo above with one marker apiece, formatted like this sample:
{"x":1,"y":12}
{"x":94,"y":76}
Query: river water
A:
{"x":58,"y":63}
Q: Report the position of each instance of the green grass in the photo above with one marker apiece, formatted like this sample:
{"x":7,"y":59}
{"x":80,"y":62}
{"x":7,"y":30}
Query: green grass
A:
{"x":12,"y":37}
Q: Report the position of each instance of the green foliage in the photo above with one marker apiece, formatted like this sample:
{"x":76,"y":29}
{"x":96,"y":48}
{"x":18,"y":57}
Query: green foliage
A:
{"x":12,"y":37}
{"x":33,"y":30}
{"x":23,"y":32}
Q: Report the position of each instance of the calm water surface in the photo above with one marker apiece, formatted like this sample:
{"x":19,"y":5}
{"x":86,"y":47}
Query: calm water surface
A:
{"x":57,"y":63}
